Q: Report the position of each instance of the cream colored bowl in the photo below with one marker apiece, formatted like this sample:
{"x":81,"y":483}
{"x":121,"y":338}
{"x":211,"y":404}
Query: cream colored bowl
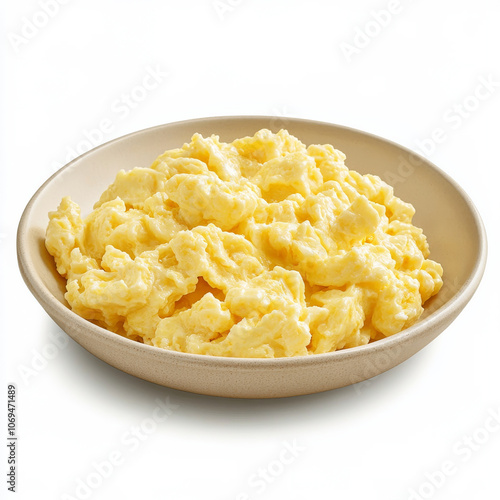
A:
{"x":449,"y":219}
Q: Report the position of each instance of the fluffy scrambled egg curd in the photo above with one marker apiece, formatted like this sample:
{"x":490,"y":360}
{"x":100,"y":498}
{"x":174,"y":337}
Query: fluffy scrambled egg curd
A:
{"x":259,"y":248}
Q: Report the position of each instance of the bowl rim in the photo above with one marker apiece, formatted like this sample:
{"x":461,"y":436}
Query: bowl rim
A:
{"x":460,"y":298}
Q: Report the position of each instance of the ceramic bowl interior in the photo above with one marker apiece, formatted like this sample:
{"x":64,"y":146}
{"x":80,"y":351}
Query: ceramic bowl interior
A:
{"x":449,"y":219}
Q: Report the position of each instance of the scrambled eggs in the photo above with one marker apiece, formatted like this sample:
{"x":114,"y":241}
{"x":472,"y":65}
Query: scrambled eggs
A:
{"x":262,"y":247}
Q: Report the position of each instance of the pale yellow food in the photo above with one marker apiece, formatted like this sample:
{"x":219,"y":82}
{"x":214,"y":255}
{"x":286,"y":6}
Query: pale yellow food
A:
{"x":262,"y":247}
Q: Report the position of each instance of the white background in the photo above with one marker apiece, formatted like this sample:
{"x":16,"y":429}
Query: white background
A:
{"x":385,"y":439}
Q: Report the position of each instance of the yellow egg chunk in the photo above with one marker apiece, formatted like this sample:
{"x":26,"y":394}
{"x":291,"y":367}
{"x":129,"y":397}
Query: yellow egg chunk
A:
{"x":64,"y":226}
{"x":258,"y":248}
{"x":134,"y":187}
{"x":342,"y":320}
{"x":203,"y":199}
{"x":282,"y":177}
